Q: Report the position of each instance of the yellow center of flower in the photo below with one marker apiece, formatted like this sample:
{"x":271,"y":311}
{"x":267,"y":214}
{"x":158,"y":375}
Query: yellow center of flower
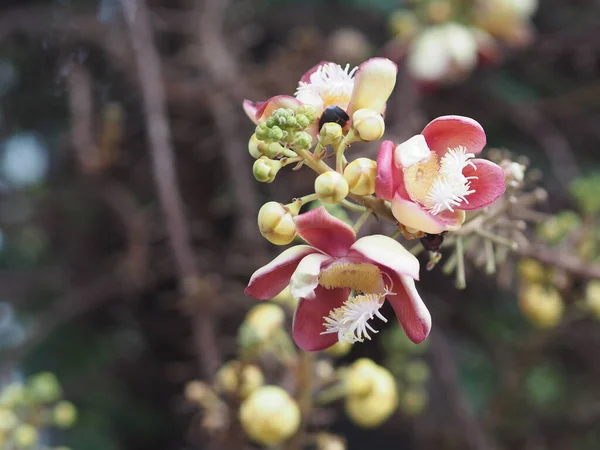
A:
{"x":361,"y":277}
{"x":419,"y":178}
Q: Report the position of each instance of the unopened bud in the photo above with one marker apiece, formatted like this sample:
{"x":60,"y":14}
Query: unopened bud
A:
{"x":542,"y":305}
{"x":253,"y":147}
{"x":64,"y":414}
{"x":302,"y":121}
{"x":302,"y":141}
{"x":531,"y":270}
{"x":339,"y":349}
{"x":262,"y":132}
{"x":8,"y":420}
{"x":265,"y":319}
{"x":360,"y":376}
{"x":331,"y":187}
{"x":307,"y":110}
{"x":269,"y":415}
{"x":369,"y":124}
{"x":25,"y":436}
{"x":330,"y":132}
{"x":275,"y":134}
{"x":266,"y":169}
{"x":276,"y":224}
{"x":592,"y":297}
{"x":237,"y":378}
{"x":44,"y":388}
{"x":360,"y":175}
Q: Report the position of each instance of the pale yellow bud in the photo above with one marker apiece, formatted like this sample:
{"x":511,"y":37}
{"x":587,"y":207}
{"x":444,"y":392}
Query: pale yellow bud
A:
{"x":266,"y":169}
{"x":371,"y":410}
{"x":543,"y":306}
{"x":331,"y":187}
{"x":197,"y":392}
{"x":8,"y":420}
{"x":25,"y":435}
{"x":414,"y":400}
{"x":12,"y":395}
{"x":359,"y":377}
{"x":331,"y":132}
{"x":326,"y":441}
{"x":253,"y":147}
{"x":64,"y":414}
{"x":339,"y":349}
{"x":369,"y":124}
{"x":44,"y":388}
{"x":237,"y":378}
{"x":269,"y":415}
{"x":531,"y":270}
{"x":592,"y":297}
{"x":360,"y":175}
{"x":266,"y":317}
{"x":276,"y":224}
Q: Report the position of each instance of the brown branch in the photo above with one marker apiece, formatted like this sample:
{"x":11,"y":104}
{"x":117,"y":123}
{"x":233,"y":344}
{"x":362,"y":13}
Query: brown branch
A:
{"x":163,"y":161}
{"x":562,"y":260}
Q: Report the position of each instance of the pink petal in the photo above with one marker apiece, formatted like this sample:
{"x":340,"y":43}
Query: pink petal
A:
{"x":413,"y":215}
{"x":270,"y":280}
{"x":325,"y":232}
{"x":489,"y":185}
{"x":373,"y":83}
{"x":452,"y":131}
{"x":386,"y":182}
{"x":410,"y":310}
{"x":308,"y":319}
{"x":266,"y":108}
{"x":250,"y":110}
{"x":306,"y":77}
{"x":387,"y":252}
{"x":305,"y":278}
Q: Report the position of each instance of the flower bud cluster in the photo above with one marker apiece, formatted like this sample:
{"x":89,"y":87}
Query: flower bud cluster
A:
{"x":27,"y":409}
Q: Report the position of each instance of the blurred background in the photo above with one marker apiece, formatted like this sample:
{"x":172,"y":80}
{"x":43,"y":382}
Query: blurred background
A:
{"x":128,"y":220}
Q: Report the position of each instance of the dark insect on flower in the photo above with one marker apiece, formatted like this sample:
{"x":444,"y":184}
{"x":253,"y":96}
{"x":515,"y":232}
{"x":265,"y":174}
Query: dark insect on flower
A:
{"x":432,"y":242}
{"x":334,"y":114}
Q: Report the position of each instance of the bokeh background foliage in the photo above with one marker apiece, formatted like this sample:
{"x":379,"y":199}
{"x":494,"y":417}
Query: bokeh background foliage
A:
{"x":88,"y":284}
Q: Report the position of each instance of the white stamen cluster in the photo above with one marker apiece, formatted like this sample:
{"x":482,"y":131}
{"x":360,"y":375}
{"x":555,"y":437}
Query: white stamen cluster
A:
{"x":350,"y":321}
{"x":328,"y":81}
{"x":451,"y":187}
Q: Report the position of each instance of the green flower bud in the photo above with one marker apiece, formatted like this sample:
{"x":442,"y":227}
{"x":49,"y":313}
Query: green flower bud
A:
{"x":309,"y":111}
{"x":275,"y":134}
{"x":302,"y":121}
{"x":302,"y":141}
{"x":253,"y":147}
{"x":262,"y":132}
{"x":291,"y":122}
{"x":64,"y":414}
{"x":12,"y":395}
{"x":331,"y":187}
{"x":272,"y":121}
{"x":44,"y":388}
{"x":266,"y":169}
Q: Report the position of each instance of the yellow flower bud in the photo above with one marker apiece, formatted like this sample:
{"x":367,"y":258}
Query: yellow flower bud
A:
{"x":531,"y":270}
{"x":237,"y":378}
{"x":276,"y":224}
{"x":261,"y":324}
{"x":8,"y":420}
{"x":12,"y":395}
{"x":285,"y":299}
{"x":371,"y":410}
{"x":360,"y":175}
{"x":360,"y":376}
{"x":330,"y":132}
{"x":339,"y":349}
{"x":326,"y":441}
{"x":253,"y":147}
{"x":25,"y":435}
{"x":542,"y":306}
{"x":44,"y":388}
{"x":369,"y":124}
{"x":266,"y":169}
{"x":197,"y":392}
{"x":414,"y":400}
{"x":64,"y":414}
{"x":269,"y":415}
{"x":331,"y":187}
{"x":592,"y":297}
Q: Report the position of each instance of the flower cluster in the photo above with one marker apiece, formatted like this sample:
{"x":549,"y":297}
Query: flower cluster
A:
{"x":424,"y":185}
{"x":444,"y":41}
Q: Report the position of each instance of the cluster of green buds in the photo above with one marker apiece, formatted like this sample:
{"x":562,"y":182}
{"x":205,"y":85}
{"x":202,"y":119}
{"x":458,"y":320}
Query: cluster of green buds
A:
{"x":28,"y":408}
{"x":274,"y":141}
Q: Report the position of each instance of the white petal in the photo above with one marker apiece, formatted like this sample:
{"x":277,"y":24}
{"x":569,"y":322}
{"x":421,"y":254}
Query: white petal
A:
{"x":306,"y":276}
{"x":413,"y":151}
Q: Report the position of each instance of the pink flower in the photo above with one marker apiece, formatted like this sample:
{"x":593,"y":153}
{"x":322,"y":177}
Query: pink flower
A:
{"x":323,"y":274}
{"x":328,"y":85}
{"x":431,"y":179}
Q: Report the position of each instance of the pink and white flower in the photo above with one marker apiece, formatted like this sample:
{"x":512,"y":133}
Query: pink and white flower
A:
{"x":323,"y":274}
{"x":433,"y":178}
{"x":329,"y":84}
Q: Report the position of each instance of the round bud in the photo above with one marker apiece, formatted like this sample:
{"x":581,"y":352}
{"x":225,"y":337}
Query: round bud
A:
{"x":253,"y":147}
{"x":25,"y":435}
{"x":291,"y":122}
{"x":307,"y":110}
{"x":236,"y":378}
{"x":360,"y":175}
{"x":8,"y":420}
{"x":265,"y":169}
{"x":360,"y":376}
{"x":44,"y":388}
{"x":369,"y":124}
{"x":331,"y":132}
{"x":302,"y":121}
{"x":269,"y":415}
{"x":302,"y":141}
{"x":275,"y":134}
{"x":261,"y":324}
{"x":64,"y":414}
{"x":592,"y":297}
{"x":331,"y":187}
{"x":262,"y":132}
{"x":276,"y":224}
{"x":12,"y":395}
{"x":339,"y":349}
{"x":531,"y":270}
{"x":543,"y":306}
{"x":197,"y":392}
{"x":371,"y":410}
{"x":272,"y":121}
